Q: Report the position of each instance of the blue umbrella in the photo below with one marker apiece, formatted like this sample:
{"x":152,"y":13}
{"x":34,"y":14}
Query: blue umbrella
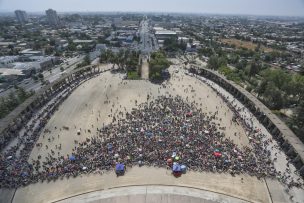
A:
{"x":24,"y":174}
{"x":110,"y":146}
{"x":183,"y":168}
{"x":72,"y":158}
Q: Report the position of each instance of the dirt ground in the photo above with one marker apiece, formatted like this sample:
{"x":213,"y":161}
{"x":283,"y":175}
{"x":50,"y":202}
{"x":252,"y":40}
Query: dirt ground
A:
{"x":245,"y":44}
{"x":95,"y":102}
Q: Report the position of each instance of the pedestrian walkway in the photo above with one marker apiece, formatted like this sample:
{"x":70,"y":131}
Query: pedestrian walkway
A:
{"x":145,"y":69}
{"x":153,"y":193}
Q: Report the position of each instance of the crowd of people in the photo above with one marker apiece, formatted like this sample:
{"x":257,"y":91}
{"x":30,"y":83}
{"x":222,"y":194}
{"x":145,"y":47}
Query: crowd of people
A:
{"x":15,"y":169}
{"x":153,"y":132}
{"x":149,"y":135}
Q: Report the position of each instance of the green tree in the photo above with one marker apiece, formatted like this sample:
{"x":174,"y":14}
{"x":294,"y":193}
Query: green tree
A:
{"x":254,"y":68}
{"x":216,"y":62}
{"x":297,"y":123}
{"x":40,"y":76}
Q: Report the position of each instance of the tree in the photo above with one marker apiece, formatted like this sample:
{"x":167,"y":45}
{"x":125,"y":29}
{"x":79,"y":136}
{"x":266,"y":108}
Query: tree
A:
{"x":49,"y":50}
{"x":216,"y":62}
{"x":241,"y":64}
{"x":22,"y":94}
{"x":86,"y":60}
{"x":157,"y":64}
{"x":40,"y":76}
{"x":298,"y":121}
{"x":254,"y":68}
{"x":273,"y":96}
{"x":206,"y":51}
{"x":52,"y":42}
{"x":35,"y":78}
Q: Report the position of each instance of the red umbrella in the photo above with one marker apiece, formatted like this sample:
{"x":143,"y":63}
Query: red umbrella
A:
{"x":217,"y":154}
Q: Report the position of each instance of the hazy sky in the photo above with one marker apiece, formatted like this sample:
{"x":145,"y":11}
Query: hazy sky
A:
{"x":259,"y":7}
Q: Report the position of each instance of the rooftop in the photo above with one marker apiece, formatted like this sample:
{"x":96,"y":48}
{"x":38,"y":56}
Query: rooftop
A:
{"x":165,"y":32}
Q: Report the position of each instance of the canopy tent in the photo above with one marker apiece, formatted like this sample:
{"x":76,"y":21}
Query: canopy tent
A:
{"x":176,"y":168}
{"x":120,"y":167}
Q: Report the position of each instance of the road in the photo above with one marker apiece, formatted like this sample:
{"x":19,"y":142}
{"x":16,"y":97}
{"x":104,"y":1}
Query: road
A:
{"x":147,"y":45}
{"x":148,"y":42}
{"x":55,"y":73}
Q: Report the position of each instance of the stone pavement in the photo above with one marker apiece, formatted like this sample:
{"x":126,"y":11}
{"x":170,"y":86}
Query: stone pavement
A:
{"x":242,"y":187}
{"x":151,"y":194}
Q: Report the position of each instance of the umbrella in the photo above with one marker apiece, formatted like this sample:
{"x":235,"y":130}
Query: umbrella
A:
{"x":110,"y":146}
{"x":189,"y":114}
{"x":24,"y":174}
{"x":72,"y":158}
{"x":183,"y":168}
{"x":173,"y":154}
{"x":217,"y":154}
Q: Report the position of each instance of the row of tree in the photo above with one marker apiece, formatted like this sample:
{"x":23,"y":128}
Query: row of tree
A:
{"x":86,"y":61}
{"x":157,"y":64}
{"x":276,"y":88}
{"x":9,"y":103}
{"x":124,"y":59}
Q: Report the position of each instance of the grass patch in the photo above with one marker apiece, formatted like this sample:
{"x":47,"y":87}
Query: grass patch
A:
{"x":133,"y":75}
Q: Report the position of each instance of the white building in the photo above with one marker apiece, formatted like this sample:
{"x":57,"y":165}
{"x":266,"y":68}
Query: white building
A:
{"x":165,"y":34}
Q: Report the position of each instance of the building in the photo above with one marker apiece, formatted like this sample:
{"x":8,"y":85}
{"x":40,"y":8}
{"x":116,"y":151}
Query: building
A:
{"x":52,"y":16}
{"x":101,"y":47}
{"x":165,"y":34}
{"x":82,"y":41}
{"x":21,"y":16}
{"x":30,"y":52}
{"x":6,"y":60}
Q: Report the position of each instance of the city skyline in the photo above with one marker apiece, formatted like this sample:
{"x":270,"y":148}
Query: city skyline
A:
{"x":238,"y":7}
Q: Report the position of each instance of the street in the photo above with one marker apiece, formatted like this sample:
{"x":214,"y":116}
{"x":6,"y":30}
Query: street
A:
{"x":30,"y":85}
{"x":148,"y":42}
